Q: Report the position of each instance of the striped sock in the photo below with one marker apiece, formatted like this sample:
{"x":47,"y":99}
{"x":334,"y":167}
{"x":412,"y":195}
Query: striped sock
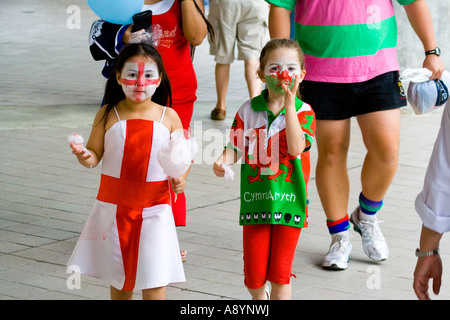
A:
{"x":339,"y":225}
{"x":368,"y":208}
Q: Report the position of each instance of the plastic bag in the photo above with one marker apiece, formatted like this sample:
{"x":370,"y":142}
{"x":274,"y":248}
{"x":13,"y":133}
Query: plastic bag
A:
{"x":416,"y":75}
{"x":144,"y":36}
{"x":425,"y":95}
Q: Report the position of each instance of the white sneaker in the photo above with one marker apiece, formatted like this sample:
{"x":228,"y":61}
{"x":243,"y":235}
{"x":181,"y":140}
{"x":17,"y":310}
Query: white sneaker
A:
{"x":339,"y":253}
{"x":374,"y":244}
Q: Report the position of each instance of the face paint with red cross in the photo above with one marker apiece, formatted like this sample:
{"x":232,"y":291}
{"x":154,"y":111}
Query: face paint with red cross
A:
{"x":139,"y":80}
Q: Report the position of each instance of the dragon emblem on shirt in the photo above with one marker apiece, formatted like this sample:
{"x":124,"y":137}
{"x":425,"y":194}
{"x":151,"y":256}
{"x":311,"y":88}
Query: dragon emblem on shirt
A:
{"x":267,"y":154}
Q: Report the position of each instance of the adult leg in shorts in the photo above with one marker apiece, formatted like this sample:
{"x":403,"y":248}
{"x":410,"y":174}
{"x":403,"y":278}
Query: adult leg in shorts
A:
{"x":241,"y":23}
{"x":375,"y":103}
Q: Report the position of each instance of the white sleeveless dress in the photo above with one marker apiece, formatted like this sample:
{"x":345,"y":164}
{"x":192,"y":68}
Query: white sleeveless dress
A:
{"x":129,"y":239}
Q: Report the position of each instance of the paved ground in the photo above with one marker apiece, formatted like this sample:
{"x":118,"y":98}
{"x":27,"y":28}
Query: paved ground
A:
{"x":50,"y":86}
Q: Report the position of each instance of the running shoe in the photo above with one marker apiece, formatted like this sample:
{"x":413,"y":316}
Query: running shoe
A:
{"x":339,"y":253}
{"x":374,"y":244}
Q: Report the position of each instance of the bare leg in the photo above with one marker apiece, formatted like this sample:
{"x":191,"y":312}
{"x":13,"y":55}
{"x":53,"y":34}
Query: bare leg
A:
{"x":332,"y":181}
{"x":154,"y":294}
{"x":253,"y":82}
{"x":117,"y":294}
{"x":222,"y":74}
{"x":281,"y":291}
{"x":258,"y":294}
{"x":381,"y":135}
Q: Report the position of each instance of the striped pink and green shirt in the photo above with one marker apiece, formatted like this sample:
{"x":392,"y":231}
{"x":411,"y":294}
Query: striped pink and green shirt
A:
{"x":345,"y":41}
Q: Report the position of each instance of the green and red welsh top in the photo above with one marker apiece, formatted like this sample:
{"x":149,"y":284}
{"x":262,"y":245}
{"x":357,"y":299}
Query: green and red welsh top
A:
{"x":273,"y":182}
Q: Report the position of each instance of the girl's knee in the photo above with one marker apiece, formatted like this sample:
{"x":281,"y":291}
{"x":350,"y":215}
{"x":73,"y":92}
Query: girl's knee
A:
{"x":154,"y":294}
{"x":280,"y":291}
{"x":117,"y":294}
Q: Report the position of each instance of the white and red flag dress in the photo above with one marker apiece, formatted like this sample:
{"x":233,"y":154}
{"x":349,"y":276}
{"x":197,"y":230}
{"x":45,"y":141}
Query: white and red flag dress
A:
{"x":129,"y":239}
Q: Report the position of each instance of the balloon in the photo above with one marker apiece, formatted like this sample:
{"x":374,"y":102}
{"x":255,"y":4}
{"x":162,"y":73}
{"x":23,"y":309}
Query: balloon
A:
{"x":116,"y":11}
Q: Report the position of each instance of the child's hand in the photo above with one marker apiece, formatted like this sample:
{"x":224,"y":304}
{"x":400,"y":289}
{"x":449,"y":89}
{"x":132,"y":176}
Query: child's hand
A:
{"x":222,"y":168}
{"x":219,"y":171}
{"x":76,"y":143}
{"x":128,"y":34}
{"x":289,"y":94}
{"x":80,"y":151}
{"x":178,"y":184}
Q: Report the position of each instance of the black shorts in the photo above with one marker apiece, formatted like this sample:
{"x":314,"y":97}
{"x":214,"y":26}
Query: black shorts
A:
{"x":338,"y":101}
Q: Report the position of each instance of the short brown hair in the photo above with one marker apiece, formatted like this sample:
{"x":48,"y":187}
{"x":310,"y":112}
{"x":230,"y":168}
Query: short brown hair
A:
{"x":274,"y":44}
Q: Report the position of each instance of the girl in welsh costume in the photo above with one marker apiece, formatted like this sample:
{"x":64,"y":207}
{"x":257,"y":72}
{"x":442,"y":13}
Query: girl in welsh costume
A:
{"x":272,"y":134}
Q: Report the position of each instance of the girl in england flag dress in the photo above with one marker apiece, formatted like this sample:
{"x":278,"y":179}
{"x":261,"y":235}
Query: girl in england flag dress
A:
{"x":129,"y":239}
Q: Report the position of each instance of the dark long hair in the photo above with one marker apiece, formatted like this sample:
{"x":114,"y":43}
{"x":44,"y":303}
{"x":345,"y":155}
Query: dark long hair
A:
{"x":113,"y":91}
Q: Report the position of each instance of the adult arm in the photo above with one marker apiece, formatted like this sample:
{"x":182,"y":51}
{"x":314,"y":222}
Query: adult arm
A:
{"x":279,"y":22}
{"x":194,"y":27}
{"x":419,"y":17}
{"x":428,"y":267}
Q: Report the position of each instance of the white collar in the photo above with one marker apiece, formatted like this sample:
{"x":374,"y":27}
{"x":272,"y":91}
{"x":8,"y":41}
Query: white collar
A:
{"x":160,"y":7}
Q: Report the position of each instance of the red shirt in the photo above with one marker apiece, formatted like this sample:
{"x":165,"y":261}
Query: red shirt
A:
{"x":175,"y":51}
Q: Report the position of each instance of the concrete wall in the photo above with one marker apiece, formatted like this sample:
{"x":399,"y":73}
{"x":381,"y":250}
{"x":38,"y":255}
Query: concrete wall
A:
{"x":410,"y":49}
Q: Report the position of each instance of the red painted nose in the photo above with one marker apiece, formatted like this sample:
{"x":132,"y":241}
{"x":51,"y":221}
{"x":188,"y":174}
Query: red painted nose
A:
{"x":284,"y":76}
{"x":140,"y":81}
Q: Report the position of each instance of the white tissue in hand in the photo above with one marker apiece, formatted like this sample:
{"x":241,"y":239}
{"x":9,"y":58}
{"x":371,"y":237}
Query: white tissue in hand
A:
{"x":176,"y":158}
{"x":229,"y":173}
{"x":76,"y":138}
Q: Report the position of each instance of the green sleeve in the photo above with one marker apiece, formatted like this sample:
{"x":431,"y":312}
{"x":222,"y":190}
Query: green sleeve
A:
{"x":310,"y":140}
{"x":286,"y":4}
{"x":308,"y":124}
{"x":405,"y":2}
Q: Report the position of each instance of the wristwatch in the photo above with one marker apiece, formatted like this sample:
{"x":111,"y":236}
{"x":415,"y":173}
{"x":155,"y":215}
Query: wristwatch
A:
{"x":421,"y":254}
{"x":436,"y":51}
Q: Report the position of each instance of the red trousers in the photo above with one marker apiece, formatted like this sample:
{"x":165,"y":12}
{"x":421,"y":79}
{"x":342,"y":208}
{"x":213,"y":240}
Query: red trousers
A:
{"x":268,"y":254}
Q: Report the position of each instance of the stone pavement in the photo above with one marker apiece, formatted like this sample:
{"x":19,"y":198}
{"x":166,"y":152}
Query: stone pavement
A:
{"x":50,"y":87}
